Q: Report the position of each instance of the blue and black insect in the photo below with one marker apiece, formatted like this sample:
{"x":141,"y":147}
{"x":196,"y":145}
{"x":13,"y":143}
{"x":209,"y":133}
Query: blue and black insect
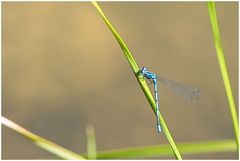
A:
{"x":188,"y":93}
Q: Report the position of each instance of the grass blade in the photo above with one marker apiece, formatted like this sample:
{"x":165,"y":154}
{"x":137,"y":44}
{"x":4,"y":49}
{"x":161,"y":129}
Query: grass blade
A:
{"x":187,"y":148}
{"x":190,"y":148}
{"x":222,"y":65}
{"x":140,"y":79}
{"x":41,"y":142}
{"x":91,"y":143}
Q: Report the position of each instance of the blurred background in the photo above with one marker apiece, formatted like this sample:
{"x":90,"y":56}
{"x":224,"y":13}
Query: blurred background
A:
{"x":62,"y":70}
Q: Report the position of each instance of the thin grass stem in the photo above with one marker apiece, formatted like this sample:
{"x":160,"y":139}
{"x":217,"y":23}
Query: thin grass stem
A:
{"x":140,"y":79}
{"x":91,"y":143}
{"x":187,"y":148}
{"x":223,"y":67}
{"x":41,"y":142}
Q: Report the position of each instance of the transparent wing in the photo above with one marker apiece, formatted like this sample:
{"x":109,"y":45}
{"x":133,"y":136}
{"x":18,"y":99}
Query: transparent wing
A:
{"x":187,"y":93}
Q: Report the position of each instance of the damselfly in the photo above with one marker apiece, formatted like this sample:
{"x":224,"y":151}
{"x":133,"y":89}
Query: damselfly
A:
{"x":188,"y":93}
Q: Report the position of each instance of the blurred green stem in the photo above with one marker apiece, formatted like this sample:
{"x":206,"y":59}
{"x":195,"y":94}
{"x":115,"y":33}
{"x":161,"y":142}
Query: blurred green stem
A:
{"x":222,"y":65}
{"x":187,"y":148}
{"x":91,"y":142}
{"x":41,"y":142}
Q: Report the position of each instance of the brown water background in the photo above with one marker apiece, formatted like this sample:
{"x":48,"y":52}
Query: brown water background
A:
{"x":62,"y":70}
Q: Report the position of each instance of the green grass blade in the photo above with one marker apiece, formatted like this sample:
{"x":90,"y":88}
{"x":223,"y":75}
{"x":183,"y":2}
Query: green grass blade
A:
{"x":222,"y":65}
{"x":91,"y":143}
{"x":140,"y":79}
{"x":41,"y":142}
{"x":187,"y":148}
{"x":190,"y":148}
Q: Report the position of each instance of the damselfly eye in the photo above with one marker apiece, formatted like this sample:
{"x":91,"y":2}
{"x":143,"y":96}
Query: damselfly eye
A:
{"x":143,"y":70}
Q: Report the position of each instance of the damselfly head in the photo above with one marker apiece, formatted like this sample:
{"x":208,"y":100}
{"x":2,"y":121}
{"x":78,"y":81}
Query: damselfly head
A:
{"x":143,"y":70}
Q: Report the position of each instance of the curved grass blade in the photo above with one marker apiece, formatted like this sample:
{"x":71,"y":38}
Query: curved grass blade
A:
{"x":140,"y":79}
{"x":41,"y":142}
{"x":222,"y":65}
{"x":188,"y":148}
